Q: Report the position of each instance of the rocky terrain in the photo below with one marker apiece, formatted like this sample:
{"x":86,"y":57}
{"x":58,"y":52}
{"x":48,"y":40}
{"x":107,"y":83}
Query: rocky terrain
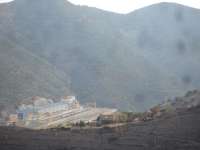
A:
{"x":180,"y":131}
{"x":176,"y":130}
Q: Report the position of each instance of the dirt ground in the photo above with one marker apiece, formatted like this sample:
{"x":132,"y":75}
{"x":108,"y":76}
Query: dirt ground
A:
{"x":179,"y":131}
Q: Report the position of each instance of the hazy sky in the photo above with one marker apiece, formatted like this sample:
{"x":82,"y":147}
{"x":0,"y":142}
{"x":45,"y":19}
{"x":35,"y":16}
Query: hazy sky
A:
{"x":5,"y":1}
{"x":125,"y":6}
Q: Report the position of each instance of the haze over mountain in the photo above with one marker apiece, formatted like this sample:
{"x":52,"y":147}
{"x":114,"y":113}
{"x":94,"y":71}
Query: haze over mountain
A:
{"x":128,"y":61}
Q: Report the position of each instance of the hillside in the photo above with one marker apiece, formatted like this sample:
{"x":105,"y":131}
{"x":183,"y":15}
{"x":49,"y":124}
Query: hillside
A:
{"x":169,"y":34}
{"x":176,"y":130}
{"x":23,"y":75}
{"x":128,"y":61}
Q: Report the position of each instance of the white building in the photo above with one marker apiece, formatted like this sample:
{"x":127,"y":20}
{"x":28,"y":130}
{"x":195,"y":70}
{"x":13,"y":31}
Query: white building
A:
{"x":42,"y":106}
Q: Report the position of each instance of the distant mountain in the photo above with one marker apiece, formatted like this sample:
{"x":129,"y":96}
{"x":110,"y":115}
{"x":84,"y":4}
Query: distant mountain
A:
{"x":23,"y":75}
{"x":128,"y":61}
{"x":168,"y":35}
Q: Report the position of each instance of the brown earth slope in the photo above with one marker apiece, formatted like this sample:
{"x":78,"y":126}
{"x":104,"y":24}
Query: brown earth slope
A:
{"x":178,"y":131}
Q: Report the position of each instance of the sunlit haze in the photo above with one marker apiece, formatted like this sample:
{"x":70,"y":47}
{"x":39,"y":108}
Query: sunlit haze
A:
{"x":6,"y":1}
{"x":126,"y":6}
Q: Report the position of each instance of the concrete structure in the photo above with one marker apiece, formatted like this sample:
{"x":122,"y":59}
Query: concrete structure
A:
{"x":12,"y":119}
{"x":45,"y":113}
{"x":42,"y":106}
{"x":105,"y":119}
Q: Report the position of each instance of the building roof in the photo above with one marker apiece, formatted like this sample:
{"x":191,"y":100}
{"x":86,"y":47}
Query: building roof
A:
{"x":45,"y":105}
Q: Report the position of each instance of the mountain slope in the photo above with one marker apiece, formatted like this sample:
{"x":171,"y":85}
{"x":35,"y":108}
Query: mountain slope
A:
{"x":169,"y":34}
{"x":23,"y":75}
{"x":123,"y":61}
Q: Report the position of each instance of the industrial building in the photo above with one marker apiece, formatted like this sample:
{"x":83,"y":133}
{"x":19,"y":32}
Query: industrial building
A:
{"x":42,"y":107}
{"x":45,"y":113}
